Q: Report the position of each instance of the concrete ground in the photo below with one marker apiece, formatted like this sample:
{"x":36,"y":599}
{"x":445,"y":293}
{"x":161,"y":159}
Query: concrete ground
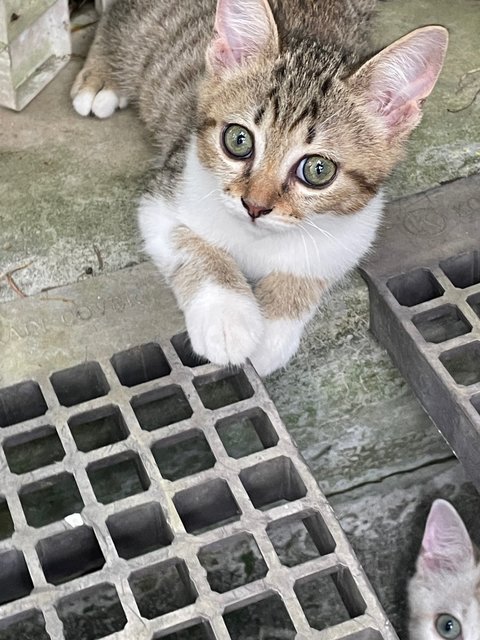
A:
{"x":67,"y":212}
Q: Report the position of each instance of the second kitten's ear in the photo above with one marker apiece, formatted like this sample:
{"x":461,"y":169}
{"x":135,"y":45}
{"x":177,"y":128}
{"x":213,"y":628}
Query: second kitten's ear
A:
{"x":396,"y":81}
{"x":446,"y":545}
{"x":243,"y":30}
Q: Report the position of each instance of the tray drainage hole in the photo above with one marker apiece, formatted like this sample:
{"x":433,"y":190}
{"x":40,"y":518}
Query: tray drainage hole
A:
{"x":233,"y":562}
{"x":117,"y":477}
{"x":70,"y":554}
{"x":474,"y":302}
{"x":161,"y":407}
{"x":298,"y":540}
{"x":442,"y":323}
{"x":139,"y":530}
{"x":202,"y":631}
{"x":140,"y":364}
{"x":182,"y":345}
{"x":415,"y":287}
{"x":6,"y":522}
{"x":29,"y":625}
{"x":223,"y":388}
{"x":329,"y":599}
{"x":267,"y":618}
{"x":91,"y":614}
{"x":33,"y":450}
{"x":183,"y":455}
{"x":15,"y":581}
{"x":246,"y":433}
{"x":78,"y":384}
{"x":206,"y":506}
{"x":463,"y":363}
{"x":463,"y":270}
{"x":98,"y":428}
{"x":272,"y":483}
{"x":21,"y":402}
{"x":50,"y":500}
{"x":162,"y":588}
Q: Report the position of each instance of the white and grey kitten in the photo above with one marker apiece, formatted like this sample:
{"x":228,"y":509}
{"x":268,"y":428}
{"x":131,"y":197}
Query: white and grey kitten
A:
{"x":444,"y":593}
{"x":274,"y":134}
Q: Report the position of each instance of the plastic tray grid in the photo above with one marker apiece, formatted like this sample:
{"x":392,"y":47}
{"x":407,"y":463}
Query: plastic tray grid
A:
{"x":132,"y":414}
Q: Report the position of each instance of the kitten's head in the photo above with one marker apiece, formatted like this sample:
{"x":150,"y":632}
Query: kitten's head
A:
{"x":444,"y":594}
{"x":291,"y":127}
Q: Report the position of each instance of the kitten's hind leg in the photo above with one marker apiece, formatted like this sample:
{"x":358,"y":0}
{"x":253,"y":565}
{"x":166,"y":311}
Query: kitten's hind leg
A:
{"x":94,"y":90}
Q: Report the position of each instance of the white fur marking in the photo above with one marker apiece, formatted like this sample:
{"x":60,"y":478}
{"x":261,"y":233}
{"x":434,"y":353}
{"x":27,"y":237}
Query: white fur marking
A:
{"x":105,"y":103}
{"x":82,"y":103}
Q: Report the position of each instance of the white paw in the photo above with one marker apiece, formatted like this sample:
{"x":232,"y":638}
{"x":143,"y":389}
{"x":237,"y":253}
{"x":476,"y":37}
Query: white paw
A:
{"x":279,"y":344}
{"x":102,"y":104}
{"x":224,"y":326}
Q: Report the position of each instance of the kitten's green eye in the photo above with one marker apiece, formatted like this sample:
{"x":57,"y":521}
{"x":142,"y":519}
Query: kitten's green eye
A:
{"x":238,"y":141}
{"x":316,"y":171}
{"x":448,"y":627}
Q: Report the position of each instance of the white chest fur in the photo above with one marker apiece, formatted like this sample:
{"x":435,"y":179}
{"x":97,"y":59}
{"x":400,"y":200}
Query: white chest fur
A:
{"x":327,"y":246}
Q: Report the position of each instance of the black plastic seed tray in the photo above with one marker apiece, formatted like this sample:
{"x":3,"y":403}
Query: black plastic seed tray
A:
{"x":148,"y":495}
{"x":424,"y":284}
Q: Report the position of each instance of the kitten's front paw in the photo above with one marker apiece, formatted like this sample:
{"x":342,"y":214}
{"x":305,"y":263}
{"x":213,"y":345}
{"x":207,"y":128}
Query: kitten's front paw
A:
{"x":280,"y":343}
{"x":224,"y":326}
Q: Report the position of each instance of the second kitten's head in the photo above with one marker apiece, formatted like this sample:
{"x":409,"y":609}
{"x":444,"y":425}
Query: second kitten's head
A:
{"x":444,"y":594}
{"x":292,"y":128}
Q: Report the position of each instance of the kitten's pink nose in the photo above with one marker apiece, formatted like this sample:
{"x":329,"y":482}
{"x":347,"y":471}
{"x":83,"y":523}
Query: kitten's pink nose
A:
{"x":255,"y":210}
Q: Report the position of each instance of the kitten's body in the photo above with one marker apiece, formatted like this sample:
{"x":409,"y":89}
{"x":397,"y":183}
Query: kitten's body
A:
{"x":447,"y":580}
{"x":248,"y":286}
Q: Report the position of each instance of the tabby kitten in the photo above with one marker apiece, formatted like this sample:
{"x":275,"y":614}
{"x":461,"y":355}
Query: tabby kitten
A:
{"x":273,"y":139}
{"x":444,"y":594}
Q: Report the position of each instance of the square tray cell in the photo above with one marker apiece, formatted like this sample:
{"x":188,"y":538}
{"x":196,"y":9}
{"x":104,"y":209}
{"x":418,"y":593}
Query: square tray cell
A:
{"x":70,"y":554}
{"x":98,"y":428}
{"x":201,"y":631}
{"x":117,"y":477}
{"x":183,"y":347}
{"x":442,"y":323}
{"x":474,"y":302}
{"x":92,"y":613}
{"x":246,"y":433}
{"x":6,"y":522}
{"x":161,"y":407}
{"x":267,"y":619}
{"x":206,"y":506}
{"x":183,"y":455}
{"x":140,"y":364}
{"x":297,"y":540}
{"x":464,"y":270}
{"x":33,"y":450}
{"x":415,"y":287}
{"x":139,"y":530}
{"x":50,"y":500}
{"x":329,"y":599}
{"x":20,"y":402}
{"x":272,"y":483}
{"x":29,"y":625}
{"x":463,"y":363}
{"x":162,"y":588}
{"x":15,"y":581}
{"x":78,"y":384}
{"x":232,"y":562}
{"x":222,"y":388}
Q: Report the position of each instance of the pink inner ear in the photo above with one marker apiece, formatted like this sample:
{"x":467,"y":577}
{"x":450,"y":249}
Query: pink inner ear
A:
{"x":446,"y":545}
{"x":243,"y":29}
{"x":404,"y":74}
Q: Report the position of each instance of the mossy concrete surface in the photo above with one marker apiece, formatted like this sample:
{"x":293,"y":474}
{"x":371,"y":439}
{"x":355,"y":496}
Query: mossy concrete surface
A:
{"x":68,"y":190}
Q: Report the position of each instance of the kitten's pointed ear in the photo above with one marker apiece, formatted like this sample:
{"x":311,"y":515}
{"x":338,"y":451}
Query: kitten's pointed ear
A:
{"x":446,"y":545}
{"x":397,"y":80}
{"x":243,"y":30}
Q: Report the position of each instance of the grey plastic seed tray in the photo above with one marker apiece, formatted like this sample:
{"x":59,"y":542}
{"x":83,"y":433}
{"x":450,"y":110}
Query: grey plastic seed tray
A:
{"x":145,"y":494}
{"x":424,"y":283}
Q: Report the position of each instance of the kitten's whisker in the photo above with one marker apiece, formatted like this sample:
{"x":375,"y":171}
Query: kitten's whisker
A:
{"x":330,"y":236}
